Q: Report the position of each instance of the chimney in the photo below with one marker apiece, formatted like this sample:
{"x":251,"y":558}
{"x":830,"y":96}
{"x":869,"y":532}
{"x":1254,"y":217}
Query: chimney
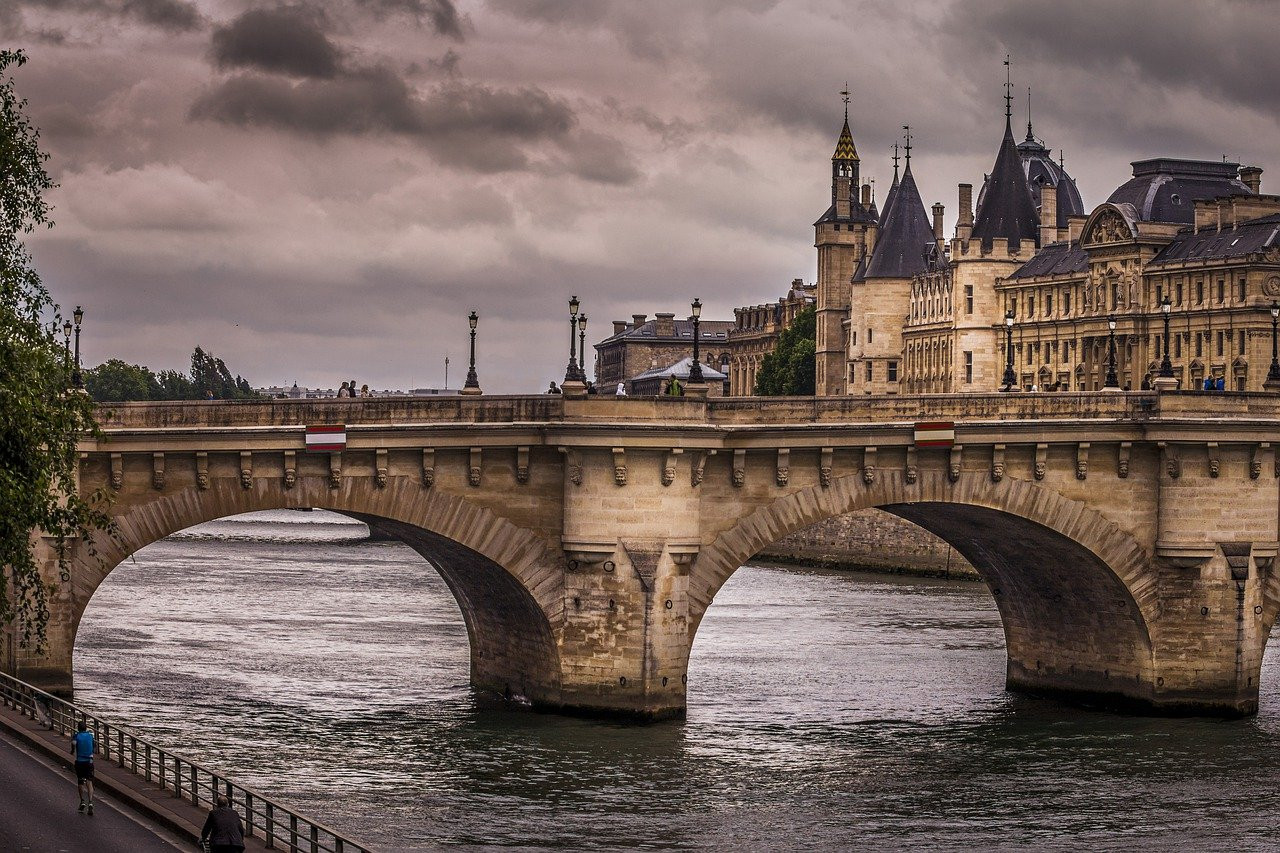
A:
{"x":638,"y":320}
{"x":937,"y":220}
{"x":1048,"y":215}
{"x":964,"y":225}
{"x":664,"y":325}
{"x":1075,"y":227}
{"x":866,"y":195}
{"x":1251,"y":176}
{"x":619,"y":326}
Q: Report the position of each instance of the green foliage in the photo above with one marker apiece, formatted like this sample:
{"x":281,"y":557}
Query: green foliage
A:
{"x":115,"y":381}
{"x":40,"y":420}
{"x":789,"y":371}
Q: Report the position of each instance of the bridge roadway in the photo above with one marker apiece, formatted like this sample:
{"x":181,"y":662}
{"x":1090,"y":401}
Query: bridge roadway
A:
{"x":1128,"y":538}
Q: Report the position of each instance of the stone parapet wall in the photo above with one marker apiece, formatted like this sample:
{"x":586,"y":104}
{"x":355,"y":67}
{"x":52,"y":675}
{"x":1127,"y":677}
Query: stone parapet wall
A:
{"x":871,"y":539}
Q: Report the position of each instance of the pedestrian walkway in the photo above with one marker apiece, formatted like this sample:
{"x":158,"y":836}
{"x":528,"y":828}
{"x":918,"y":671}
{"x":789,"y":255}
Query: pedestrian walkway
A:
{"x":38,"y":801}
{"x":38,"y":812}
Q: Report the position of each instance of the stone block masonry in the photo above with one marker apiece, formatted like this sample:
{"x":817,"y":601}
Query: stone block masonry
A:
{"x":1128,"y":539}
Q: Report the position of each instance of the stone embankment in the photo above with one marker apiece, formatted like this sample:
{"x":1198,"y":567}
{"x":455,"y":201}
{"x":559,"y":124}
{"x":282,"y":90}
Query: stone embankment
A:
{"x":871,"y":540}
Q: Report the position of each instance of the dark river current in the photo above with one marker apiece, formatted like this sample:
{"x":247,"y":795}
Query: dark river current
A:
{"x":827,"y":711}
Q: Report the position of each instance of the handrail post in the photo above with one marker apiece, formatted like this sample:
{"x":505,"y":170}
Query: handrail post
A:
{"x":315,"y":839}
{"x":248,"y":814}
{"x":293,"y":833}
{"x":271,"y":826}
{"x":195,"y":792}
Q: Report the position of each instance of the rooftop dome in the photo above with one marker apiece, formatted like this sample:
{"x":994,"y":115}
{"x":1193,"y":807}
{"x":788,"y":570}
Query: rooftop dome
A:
{"x":1165,"y":189}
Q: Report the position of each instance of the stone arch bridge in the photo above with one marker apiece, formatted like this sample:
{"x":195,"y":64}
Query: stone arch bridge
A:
{"x":1128,"y":539}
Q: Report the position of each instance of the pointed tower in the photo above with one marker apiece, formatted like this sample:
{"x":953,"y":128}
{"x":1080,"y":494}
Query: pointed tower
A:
{"x":881,"y":296}
{"x":893,"y":188}
{"x":842,"y":237}
{"x":1006,"y":208}
{"x":1003,"y":236}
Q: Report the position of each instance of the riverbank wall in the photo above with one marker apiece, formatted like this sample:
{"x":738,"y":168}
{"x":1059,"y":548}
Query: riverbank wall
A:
{"x":871,"y":540}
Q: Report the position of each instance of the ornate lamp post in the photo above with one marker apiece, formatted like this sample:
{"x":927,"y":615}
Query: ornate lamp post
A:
{"x":572,"y":372}
{"x":1009,"y":379}
{"x":1166,"y":366}
{"x":695,"y":369}
{"x":66,"y":345}
{"x":77,"y":381}
{"x":582,"y":346}
{"x":1273,"y":375}
{"x":472,"y":385}
{"x":1111,"y":381}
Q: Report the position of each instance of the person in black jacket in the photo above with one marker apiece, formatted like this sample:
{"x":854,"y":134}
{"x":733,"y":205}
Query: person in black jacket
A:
{"x":222,"y":829}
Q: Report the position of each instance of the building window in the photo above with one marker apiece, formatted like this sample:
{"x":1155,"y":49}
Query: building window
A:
{"x":893,"y":371}
{"x":1241,"y":342}
{"x":1199,"y":291}
{"x":854,"y":342}
{"x":868,"y":337}
{"x":1244,"y":289}
{"x":1220,"y":343}
{"x":870,"y":371}
{"x":968,"y":299}
{"x":852,"y":376}
{"x":1221,"y":291}
{"x":1177,"y":346}
{"x":968,"y":367}
{"x":1031,"y":305}
{"x":1199,"y":345}
{"x":1178,"y":291}
{"x":1159,"y":294}
{"x":1048,"y":303}
{"x":1066,"y":301}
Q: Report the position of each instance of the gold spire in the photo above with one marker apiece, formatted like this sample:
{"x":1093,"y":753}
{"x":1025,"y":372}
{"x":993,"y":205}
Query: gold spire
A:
{"x":845,"y":149}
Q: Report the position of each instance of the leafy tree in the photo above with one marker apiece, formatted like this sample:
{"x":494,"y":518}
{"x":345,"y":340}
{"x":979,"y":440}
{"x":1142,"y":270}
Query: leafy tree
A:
{"x":789,"y":371}
{"x":174,"y":385}
{"x":40,"y":419}
{"x":115,"y":381}
{"x":209,"y":374}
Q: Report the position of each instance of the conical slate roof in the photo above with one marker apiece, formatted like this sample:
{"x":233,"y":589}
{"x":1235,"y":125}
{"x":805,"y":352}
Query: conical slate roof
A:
{"x":1007,"y":209}
{"x":889,"y":197}
{"x":905,"y":235}
{"x":845,"y":149}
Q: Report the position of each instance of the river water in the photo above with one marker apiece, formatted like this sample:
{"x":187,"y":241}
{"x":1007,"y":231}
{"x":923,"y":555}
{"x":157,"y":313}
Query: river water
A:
{"x":827,"y":710}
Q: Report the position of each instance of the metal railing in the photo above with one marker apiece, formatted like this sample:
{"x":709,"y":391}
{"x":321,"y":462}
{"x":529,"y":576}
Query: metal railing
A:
{"x":280,"y":827}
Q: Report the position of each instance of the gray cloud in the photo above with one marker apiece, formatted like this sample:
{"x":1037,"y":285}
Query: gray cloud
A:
{"x":468,"y":125}
{"x":441,"y":14}
{"x":284,"y":40}
{"x":174,"y":15}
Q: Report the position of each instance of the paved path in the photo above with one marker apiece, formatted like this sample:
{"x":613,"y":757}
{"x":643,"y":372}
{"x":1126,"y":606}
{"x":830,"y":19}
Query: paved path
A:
{"x":38,"y":813}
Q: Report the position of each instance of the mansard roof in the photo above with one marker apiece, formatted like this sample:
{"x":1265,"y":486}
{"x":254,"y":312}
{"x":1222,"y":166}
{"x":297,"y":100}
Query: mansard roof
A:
{"x":1246,"y":238}
{"x":1007,"y":208}
{"x":905,"y":235}
{"x":1165,"y":189}
{"x":1055,"y":259}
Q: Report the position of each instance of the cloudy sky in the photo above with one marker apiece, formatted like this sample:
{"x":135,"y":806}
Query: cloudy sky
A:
{"x":321,"y":190}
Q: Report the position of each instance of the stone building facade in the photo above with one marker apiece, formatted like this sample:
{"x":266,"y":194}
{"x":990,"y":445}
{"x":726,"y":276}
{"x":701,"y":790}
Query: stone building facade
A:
{"x":755,"y":333}
{"x":643,"y":344}
{"x":920,"y":314}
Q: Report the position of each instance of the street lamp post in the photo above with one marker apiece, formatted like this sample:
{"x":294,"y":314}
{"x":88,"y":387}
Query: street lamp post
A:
{"x":77,"y":380}
{"x":582,"y":345}
{"x":472,"y":385}
{"x":1273,"y":375}
{"x":1009,"y":378}
{"x":1166,"y":366}
{"x":1111,"y":381}
{"x":695,"y":369}
{"x":571,"y":373}
{"x":66,"y":347}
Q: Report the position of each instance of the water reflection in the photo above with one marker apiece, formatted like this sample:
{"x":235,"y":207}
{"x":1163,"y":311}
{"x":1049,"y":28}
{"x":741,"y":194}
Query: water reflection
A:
{"x":827,"y":710}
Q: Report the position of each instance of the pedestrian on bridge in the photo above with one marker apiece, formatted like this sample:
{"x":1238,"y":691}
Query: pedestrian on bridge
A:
{"x":82,"y":749}
{"x":222,"y":828}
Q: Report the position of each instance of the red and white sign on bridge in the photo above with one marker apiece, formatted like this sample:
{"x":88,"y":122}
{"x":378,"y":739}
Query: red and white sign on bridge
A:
{"x":327,"y":437}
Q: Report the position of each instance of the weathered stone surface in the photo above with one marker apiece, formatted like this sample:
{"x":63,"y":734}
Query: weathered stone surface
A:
{"x":582,"y":589}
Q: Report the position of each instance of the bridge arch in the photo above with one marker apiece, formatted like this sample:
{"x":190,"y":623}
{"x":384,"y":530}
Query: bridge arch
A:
{"x":1075,"y":596}
{"x":503,"y":576}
